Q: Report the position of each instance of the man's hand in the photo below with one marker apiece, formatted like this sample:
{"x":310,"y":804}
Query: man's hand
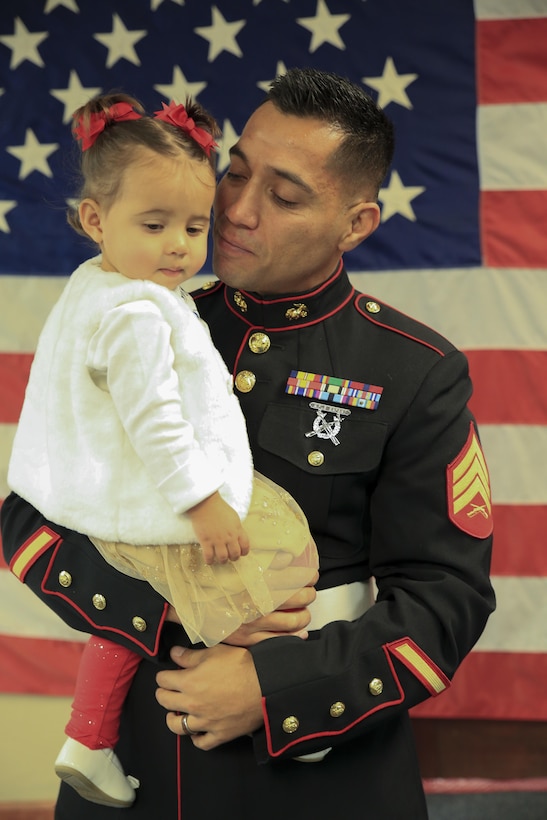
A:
{"x":217,"y":689}
{"x":291,"y":618}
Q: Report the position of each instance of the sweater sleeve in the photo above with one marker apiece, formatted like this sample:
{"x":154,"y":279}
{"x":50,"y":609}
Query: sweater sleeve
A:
{"x":131,"y":356}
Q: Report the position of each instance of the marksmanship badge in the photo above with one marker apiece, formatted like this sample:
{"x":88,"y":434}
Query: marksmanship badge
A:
{"x":322,"y":427}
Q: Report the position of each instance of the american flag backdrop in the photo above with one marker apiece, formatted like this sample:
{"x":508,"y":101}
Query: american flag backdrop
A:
{"x":462,"y":245}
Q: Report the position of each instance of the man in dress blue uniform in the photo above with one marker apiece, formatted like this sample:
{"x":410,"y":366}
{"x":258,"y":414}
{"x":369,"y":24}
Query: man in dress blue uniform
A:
{"x":361,"y":413}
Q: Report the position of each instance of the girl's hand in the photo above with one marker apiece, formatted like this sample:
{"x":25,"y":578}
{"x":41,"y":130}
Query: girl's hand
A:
{"x":219,"y":530}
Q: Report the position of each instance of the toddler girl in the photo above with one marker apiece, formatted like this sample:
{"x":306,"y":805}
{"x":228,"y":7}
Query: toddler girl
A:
{"x":130,"y":431}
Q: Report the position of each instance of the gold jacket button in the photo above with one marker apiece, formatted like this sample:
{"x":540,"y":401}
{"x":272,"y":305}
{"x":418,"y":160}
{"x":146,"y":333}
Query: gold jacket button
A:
{"x":99,"y":601}
{"x":337,"y":709}
{"x":290,"y":724}
{"x":372,"y":307}
{"x":245,"y":381}
{"x":316,"y":458}
{"x":65,"y":578}
{"x":139,"y":623}
{"x":259,"y":342}
{"x":376,"y":687}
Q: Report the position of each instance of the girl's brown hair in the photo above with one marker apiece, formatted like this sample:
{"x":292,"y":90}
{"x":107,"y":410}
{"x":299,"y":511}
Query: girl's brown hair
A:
{"x":103,"y":163}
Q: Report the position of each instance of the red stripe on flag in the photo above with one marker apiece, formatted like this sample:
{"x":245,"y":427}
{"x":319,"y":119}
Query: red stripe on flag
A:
{"x":509,"y":386}
{"x":519,"y":540}
{"x":36,"y":666}
{"x":486,"y":683}
{"x":14,"y":373}
{"x":511,"y":61}
{"x":513,"y":228}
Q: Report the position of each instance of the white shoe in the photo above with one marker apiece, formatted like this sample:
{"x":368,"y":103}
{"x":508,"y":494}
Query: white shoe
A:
{"x":96,"y":774}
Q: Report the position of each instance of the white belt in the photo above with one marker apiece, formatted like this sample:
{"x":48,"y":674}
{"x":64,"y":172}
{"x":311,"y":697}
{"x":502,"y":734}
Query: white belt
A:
{"x":344,"y":603}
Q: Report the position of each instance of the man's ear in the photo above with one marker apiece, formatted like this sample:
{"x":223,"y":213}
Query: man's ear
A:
{"x":90,"y":219}
{"x":364,"y":219}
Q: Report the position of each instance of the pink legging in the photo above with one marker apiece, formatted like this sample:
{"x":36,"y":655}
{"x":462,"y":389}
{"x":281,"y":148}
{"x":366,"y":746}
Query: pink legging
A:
{"x":104,"y":677}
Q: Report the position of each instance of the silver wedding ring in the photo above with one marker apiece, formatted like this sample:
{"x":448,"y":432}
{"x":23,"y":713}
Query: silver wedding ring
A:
{"x":185,"y":728}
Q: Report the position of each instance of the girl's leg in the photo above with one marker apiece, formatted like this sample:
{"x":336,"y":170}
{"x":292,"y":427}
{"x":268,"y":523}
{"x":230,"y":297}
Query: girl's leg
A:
{"x":104,"y":677}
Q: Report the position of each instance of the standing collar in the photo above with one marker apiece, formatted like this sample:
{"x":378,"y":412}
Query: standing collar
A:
{"x":290,"y":312}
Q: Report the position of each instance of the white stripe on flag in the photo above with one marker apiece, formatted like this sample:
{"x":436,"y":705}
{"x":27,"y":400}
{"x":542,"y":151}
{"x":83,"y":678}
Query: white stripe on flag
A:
{"x":516,"y":456}
{"x":476,"y":308}
{"x":25,"y":302}
{"x":25,"y":615}
{"x":519,"y":622}
{"x":516,"y":162}
{"x":509,"y":9}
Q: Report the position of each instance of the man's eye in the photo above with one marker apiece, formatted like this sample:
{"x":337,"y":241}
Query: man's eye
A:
{"x":285,"y":203}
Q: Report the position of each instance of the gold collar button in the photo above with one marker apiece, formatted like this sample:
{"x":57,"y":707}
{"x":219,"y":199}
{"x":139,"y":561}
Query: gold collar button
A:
{"x":259,"y":342}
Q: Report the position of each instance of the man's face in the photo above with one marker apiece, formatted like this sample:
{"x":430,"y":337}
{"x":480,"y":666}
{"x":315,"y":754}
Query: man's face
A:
{"x":280,"y":214}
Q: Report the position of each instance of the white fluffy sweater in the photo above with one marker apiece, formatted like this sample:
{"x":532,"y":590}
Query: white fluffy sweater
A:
{"x":129,"y":416}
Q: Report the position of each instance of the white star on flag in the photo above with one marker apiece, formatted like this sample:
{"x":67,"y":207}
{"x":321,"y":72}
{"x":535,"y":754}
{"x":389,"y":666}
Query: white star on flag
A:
{"x":180,"y":87}
{"x":69,"y":4}
{"x":120,"y":42}
{"x":396,"y":198}
{"x":24,"y":44}
{"x":5,"y":206}
{"x":155,"y":4}
{"x":74,"y":96}
{"x":324,"y":27}
{"x":391,"y":86}
{"x":33,"y":155}
{"x":221,"y":35}
{"x":229,"y":138}
{"x":264,"y":85}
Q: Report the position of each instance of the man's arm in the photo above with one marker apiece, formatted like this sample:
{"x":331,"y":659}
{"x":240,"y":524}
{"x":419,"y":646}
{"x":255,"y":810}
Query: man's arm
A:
{"x":432,"y":572}
{"x":65,"y":570}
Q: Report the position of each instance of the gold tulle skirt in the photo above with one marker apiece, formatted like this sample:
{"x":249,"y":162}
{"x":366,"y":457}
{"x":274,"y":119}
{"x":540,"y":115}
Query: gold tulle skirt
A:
{"x":213,"y":600}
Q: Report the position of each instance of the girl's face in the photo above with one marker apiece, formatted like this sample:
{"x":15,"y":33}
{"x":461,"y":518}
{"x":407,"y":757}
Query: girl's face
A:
{"x":157,"y":226}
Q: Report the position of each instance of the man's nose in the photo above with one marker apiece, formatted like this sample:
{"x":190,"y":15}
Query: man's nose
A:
{"x":243,"y":206}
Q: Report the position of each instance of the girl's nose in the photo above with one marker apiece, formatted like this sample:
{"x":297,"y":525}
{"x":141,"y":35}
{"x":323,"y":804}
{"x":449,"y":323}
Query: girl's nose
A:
{"x":177,"y":242}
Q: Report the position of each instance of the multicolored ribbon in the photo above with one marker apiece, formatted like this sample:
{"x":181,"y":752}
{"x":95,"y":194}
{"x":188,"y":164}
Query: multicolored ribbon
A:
{"x":333,"y":389}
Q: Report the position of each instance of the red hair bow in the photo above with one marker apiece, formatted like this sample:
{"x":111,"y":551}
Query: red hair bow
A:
{"x":177,"y":115}
{"x":88,"y":133}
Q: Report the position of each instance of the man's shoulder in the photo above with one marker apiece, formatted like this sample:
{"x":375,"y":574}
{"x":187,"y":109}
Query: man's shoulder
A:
{"x":208,"y":288}
{"x":390,"y":320}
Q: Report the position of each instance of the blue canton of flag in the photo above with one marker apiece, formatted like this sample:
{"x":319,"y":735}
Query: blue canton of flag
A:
{"x":55,"y":54}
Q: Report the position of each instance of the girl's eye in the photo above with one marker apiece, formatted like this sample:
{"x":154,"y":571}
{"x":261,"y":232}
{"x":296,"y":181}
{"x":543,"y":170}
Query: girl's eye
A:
{"x":153,"y":226}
